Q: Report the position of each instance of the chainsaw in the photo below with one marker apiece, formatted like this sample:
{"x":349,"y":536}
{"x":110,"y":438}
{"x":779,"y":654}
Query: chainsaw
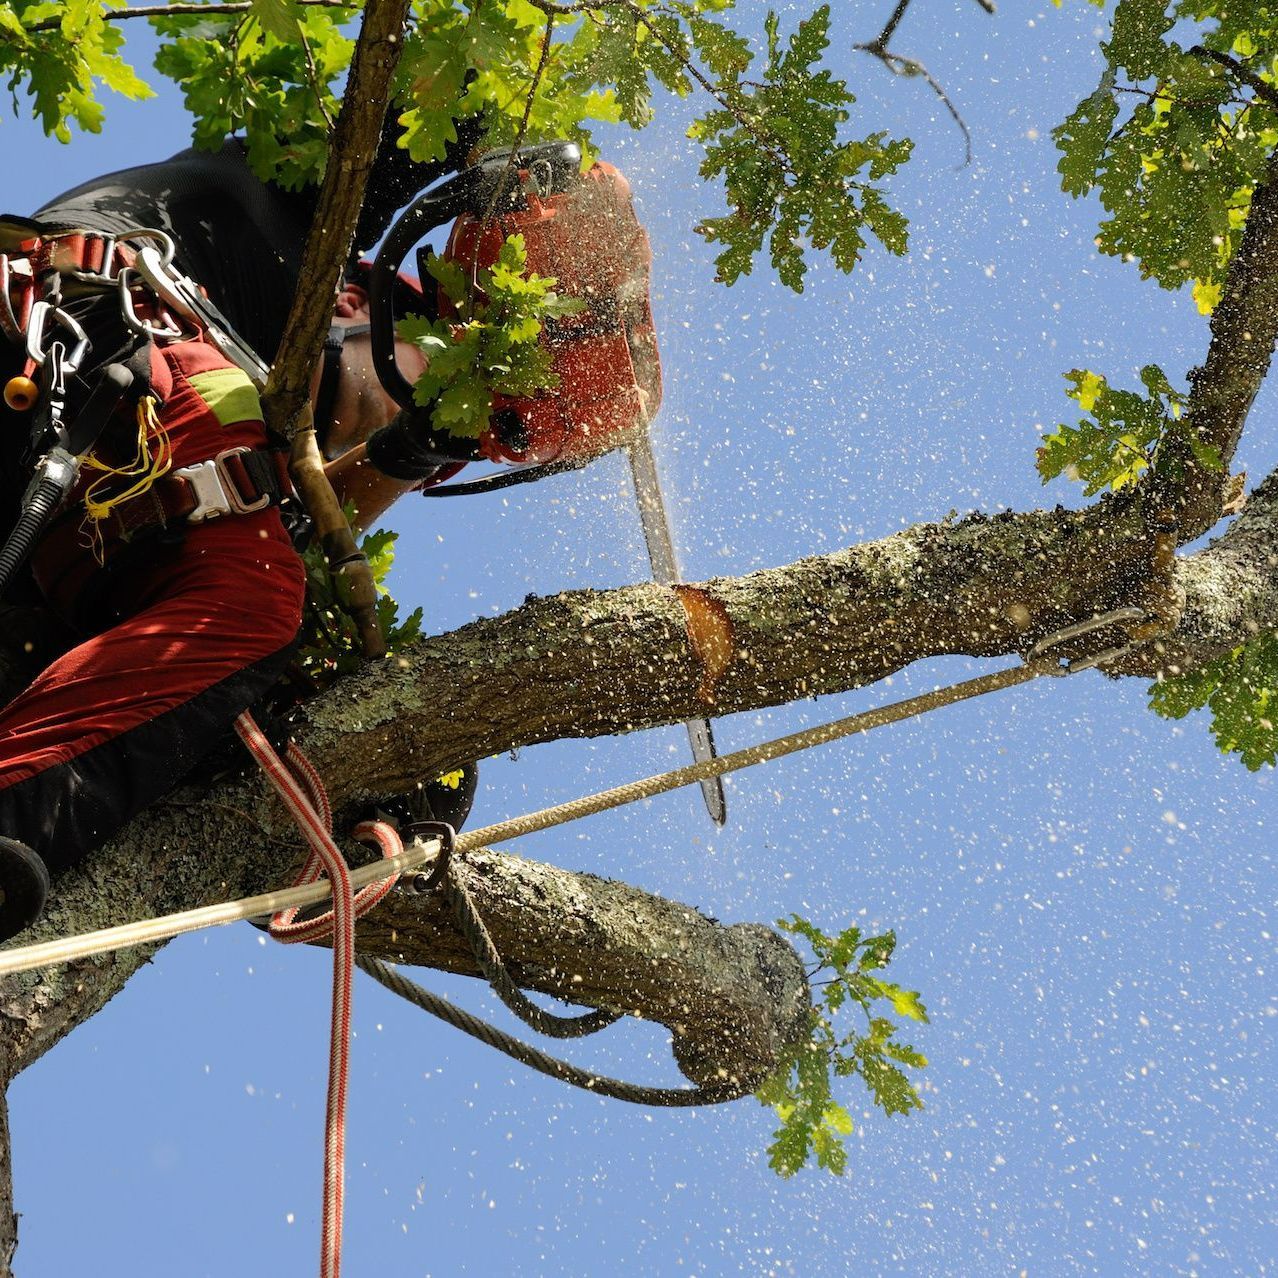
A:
{"x":581,"y":228}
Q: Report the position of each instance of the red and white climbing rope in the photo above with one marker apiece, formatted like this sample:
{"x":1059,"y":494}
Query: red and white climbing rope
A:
{"x":297,"y":783}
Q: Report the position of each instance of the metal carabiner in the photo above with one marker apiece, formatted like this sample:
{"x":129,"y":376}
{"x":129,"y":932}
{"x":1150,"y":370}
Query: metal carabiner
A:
{"x":162,"y":238}
{"x":41,"y":313}
{"x":1115,"y":617}
{"x":8,"y":319}
{"x":143,"y":327}
{"x":182,"y":295}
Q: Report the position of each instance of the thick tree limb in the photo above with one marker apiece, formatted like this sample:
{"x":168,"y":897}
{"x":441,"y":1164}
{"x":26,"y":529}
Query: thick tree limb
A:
{"x":8,"y":1217}
{"x":1230,"y":591}
{"x":591,"y":663}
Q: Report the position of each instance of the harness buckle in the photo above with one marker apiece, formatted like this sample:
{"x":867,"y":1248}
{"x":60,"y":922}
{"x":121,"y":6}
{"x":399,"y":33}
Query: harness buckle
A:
{"x":216,"y":492}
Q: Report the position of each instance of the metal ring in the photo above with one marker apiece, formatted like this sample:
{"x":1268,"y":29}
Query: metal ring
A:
{"x":162,"y":238}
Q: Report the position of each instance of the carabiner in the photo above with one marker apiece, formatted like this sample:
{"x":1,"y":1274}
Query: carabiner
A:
{"x":41,"y":313}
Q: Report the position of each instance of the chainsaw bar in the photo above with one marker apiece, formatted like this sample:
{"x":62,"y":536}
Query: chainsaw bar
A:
{"x":665,"y":572}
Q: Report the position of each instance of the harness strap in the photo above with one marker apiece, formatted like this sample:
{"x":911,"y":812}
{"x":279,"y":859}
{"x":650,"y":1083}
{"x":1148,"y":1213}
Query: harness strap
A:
{"x":239,"y":481}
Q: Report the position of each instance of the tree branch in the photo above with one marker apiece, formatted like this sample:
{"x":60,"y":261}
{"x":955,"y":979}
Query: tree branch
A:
{"x":185,"y":10}
{"x":1230,"y":591}
{"x":982,"y":586}
{"x":341,"y":196}
{"x":8,"y":1217}
{"x":900,"y":65}
{"x":1244,"y":327}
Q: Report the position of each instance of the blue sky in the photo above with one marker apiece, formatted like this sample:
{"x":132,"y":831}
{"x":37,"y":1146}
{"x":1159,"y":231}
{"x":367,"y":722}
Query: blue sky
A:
{"x":1083,"y":893}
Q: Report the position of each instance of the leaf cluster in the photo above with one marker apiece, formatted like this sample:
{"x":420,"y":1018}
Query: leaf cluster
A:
{"x":812,"y":1123}
{"x":1120,"y":438}
{"x":273,"y":73}
{"x":489,"y":345}
{"x":1241,"y":690}
{"x":55,"y":51}
{"x":1173,"y":141}
{"x":329,"y":642}
{"x":270,"y":74}
{"x":775,"y":145}
{"x":479,"y":58}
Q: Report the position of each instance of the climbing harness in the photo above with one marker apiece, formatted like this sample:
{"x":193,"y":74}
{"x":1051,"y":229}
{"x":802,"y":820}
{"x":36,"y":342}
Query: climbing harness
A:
{"x":41,"y":271}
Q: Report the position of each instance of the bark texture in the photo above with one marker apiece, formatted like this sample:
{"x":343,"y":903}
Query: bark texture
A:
{"x":1244,"y":327}
{"x":590,"y":663}
{"x":341,"y":196}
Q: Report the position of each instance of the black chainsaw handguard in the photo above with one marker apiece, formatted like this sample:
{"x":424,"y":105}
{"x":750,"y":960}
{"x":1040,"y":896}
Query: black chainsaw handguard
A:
{"x":493,"y":184}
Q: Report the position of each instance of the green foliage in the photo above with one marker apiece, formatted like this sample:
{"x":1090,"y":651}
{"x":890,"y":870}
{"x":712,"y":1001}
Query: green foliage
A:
{"x":812,"y":1123}
{"x":1241,"y":690}
{"x":787,"y":177}
{"x":489,"y":346}
{"x":1173,"y":141}
{"x":251,"y":73}
{"x":330,"y":644}
{"x":774,"y":144}
{"x":272,"y":74}
{"x":479,"y":59}
{"x":58,"y":65}
{"x":1121,"y":440}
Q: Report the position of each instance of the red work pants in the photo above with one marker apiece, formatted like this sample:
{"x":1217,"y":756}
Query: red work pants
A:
{"x":188,"y":633}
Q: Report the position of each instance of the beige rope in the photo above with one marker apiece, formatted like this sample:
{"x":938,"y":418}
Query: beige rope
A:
{"x":147,"y":931}
{"x":866,"y":721}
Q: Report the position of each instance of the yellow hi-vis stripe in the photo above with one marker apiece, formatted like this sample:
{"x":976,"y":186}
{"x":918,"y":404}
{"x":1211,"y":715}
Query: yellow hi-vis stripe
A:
{"x":230,"y":395}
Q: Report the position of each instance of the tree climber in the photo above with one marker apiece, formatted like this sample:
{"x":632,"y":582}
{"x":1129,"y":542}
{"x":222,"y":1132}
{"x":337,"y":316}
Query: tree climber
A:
{"x":180,"y":619}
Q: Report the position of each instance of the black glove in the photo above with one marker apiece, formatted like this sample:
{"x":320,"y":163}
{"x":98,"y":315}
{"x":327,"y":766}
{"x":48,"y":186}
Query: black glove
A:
{"x":397,"y":449}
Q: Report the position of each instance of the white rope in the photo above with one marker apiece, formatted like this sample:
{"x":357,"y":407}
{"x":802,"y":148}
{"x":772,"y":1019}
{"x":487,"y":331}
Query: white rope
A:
{"x":147,"y":931}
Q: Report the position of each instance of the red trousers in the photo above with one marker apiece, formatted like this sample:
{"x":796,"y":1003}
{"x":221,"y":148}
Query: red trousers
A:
{"x":183,"y":634}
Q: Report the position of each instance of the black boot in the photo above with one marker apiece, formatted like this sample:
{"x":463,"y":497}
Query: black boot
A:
{"x":24,"y":887}
{"x":433,"y":801}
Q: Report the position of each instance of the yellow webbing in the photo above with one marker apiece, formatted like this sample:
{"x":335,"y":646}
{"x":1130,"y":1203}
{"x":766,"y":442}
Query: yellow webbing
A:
{"x":145,"y":468}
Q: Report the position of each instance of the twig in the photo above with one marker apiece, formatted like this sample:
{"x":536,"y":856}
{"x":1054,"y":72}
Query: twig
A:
{"x":889,"y":28}
{"x":900,"y":65}
{"x":742,"y":117}
{"x":313,"y":75}
{"x":177,"y":10}
{"x":1262,"y":88}
{"x":576,"y":6}
{"x":523,"y":123}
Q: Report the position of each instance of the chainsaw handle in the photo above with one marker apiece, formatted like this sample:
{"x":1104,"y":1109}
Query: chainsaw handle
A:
{"x":492,"y":184}
{"x":441,"y":204}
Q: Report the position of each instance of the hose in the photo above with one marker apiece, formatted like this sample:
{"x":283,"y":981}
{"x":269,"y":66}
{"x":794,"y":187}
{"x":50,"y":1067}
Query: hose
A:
{"x":54,"y":477}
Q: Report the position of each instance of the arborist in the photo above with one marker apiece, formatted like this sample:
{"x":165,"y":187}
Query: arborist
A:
{"x":146,"y":498}
{"x":169,"y":562}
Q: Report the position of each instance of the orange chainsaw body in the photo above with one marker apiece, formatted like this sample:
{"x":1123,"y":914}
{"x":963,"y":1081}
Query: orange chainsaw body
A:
{"x":589,"y":240}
